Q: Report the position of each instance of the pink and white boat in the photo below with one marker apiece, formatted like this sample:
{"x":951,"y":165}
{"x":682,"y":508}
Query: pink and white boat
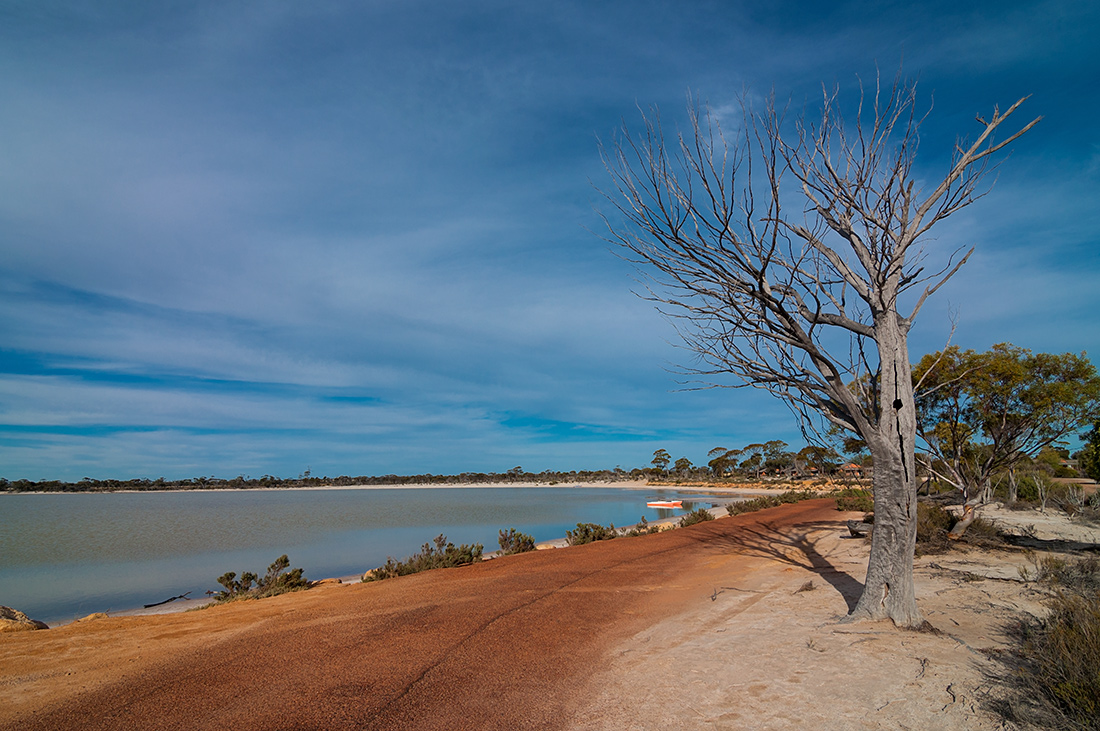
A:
{"x":665,"y":504}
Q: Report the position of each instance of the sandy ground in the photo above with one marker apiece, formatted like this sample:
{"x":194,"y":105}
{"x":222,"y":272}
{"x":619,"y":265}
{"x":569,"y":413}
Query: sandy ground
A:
{"x":697,"y":628}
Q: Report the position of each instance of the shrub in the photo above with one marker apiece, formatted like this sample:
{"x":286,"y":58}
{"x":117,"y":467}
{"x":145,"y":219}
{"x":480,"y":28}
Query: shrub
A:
{"x":441,"y":555}
{"x":1056,"y":683}
{"x":1028,"y":492}
{"x":984,"y":532}
{"x":854,"y":499}
{"x":797,"y":496}
{"x":589,"y":533}
{"x":512,"y":541}
{"x":770,"y":501}
{"x":643,"y":529}
{"x":274,"y":582}
{"x":699,"y":515}
{"x":933,"y":525}
{"x":1082,"y":575}
{"x":751,"y":506}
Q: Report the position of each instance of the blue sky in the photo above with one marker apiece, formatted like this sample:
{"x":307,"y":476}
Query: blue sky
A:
{"x":248,"y":238}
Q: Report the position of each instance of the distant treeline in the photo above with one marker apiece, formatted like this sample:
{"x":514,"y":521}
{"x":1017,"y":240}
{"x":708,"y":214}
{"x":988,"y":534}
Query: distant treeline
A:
{"x":306,"y":480}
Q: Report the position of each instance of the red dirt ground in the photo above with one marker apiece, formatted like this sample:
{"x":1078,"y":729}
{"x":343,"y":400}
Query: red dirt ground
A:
{"x":504,"y":644}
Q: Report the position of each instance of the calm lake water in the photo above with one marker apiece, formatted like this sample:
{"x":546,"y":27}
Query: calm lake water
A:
{"x":67,"y":555}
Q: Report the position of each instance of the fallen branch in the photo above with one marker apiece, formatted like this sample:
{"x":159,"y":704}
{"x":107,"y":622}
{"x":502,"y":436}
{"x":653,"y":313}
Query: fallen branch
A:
{"x":181,"y":596}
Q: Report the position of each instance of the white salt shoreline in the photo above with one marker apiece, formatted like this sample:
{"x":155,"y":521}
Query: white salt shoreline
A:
{"x":759,"y":489}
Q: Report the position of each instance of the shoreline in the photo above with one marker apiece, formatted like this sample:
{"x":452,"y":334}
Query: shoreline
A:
{"x":745,"y":488}
{"x":185,"y":605}
{"x":721,"y":495}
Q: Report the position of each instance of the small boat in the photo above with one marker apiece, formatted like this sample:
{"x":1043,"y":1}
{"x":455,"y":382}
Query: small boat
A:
{"x":665,"y":504}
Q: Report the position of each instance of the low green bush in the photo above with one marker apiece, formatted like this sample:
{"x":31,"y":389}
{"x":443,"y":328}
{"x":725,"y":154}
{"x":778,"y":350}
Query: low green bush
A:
{"x":1028,"y":492}
{"x":512,"y":541}
{"x":797,"y":496}
{"x":643,"y":529}
{"x":274,"y":582}
{"x":751,"y":506}
{"x":439,"y":556}
{"x":699,"y":515}
{"x":770,"y":501}
{"x":854,"y":499}
{"x":589,"y":533}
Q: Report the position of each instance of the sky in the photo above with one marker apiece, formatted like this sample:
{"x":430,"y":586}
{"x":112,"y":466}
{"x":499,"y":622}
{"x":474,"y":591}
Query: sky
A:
{"x":364,"y":238}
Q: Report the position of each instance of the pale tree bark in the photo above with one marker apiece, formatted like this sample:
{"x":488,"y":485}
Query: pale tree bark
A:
{"x":888,"y":591}
{"x":805,"y":305}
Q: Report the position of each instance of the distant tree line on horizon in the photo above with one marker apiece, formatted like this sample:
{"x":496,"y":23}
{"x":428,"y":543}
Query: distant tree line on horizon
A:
{"x":516,"y":474}
{"x":983,"y":418}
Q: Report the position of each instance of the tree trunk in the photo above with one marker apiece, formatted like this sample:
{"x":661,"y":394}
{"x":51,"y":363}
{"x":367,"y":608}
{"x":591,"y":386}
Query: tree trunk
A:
{"x":1012,"y":489}
{"x":888,"y":592}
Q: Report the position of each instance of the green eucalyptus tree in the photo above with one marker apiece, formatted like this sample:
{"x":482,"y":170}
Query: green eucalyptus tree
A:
{"x":661,"y":458}
{"x":984,"y":413}
{"x":1089,"y":456}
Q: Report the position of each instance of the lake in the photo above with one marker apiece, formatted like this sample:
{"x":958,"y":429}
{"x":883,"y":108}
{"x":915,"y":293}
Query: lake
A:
{"x":63,"y":556}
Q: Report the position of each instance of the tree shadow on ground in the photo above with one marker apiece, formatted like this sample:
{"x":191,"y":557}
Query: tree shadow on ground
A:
{"x":785,"y":543}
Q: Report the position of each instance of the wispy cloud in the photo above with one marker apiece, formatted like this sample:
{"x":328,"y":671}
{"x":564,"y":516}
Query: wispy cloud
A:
{"x":252,"y":239}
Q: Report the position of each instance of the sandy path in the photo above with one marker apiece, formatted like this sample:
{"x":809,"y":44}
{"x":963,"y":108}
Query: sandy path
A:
{"x":761,"y":653}
{"x":693,"y":628}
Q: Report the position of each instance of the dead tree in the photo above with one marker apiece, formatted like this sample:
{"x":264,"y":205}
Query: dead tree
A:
{"x":802,"y":299}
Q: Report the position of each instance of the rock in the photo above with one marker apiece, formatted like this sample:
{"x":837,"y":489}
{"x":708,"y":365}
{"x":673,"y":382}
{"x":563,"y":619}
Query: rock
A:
{"x":12,"y":620}
{"x":322,"y":582}
{"x":859,"y":529}
{"x":93,"y":617}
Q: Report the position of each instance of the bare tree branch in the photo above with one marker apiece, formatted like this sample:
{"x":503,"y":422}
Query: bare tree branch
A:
{"x":803,"y":303}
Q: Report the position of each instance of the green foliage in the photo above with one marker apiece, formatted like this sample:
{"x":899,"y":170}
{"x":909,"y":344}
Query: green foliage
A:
{"x":1056,"y":678}
{"x":699,"y":515}
{"x":643,"y":529}
{"x":1027,"y":491}
{"x":797,"y":496}
{"x":770,"y":501}
{"x":979,"y":413}
{"x":933,"y":525}
{"x":823,"y":458}
{"x":751,"y":506}
{"x":512,"y":541}
{"x":438,"y":556}
{"x":661,"y":458}
{"x":854,"y":499}
{"x":723,"y":460}
{"x":589,"y":533}
{"x":683,"y":465}
{"x":274,"y":582}
{"x":1089,"y":457}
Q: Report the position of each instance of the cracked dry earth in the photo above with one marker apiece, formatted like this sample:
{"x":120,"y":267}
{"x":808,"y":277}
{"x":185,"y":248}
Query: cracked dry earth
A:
{"x":697,"y":628}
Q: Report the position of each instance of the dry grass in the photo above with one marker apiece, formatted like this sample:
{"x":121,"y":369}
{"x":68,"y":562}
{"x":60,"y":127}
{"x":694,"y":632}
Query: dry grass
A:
{"x":1054,"y":679}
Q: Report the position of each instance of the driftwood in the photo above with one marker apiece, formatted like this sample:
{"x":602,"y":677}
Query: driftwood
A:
{"x":968,"y":515}
{"x":859,"y":529}
{"x":181,"y":596}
